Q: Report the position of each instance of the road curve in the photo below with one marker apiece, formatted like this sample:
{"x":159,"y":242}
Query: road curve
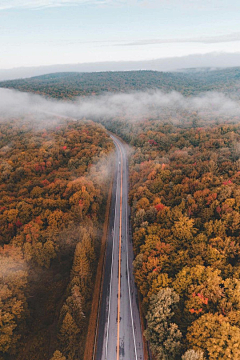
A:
{"x":119,"y":332}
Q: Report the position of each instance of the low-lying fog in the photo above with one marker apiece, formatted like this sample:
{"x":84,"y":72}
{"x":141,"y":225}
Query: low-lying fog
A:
{"x":133,"y":106}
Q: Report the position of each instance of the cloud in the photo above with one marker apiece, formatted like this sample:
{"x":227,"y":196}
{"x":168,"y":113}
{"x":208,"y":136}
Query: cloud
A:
{"x":205,"y":40}
{"x":39,"y":4}
{"x":132,"y":106}
{"x":193,"y":4}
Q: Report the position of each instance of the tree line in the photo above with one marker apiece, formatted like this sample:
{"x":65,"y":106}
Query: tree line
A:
{"x":69,"y":85}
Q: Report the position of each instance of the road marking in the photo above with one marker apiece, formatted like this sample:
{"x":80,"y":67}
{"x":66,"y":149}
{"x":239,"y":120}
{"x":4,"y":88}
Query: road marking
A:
{"x":110,"y":294}
{"x":119,"y":258}
{"x":119,"y":265}
{"x":129,"y":287}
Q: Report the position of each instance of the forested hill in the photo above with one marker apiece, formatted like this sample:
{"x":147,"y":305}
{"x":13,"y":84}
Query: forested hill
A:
{"x":68,"y":85}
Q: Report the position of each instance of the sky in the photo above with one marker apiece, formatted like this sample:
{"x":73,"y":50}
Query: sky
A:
{"x":46,"y":32}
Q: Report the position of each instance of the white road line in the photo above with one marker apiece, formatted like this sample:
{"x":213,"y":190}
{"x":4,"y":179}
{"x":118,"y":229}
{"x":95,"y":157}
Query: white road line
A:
{"x":110,"y":294}
{"x":129,"y":286}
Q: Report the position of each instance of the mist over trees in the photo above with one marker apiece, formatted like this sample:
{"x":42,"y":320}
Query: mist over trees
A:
{"x":184,"y":198}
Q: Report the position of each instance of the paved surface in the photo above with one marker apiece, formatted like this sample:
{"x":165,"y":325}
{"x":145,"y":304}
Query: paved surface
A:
{"x":119,"y":335}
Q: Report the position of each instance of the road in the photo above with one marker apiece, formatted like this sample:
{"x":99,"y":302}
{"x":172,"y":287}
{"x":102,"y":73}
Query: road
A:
{"x":119,"y":332}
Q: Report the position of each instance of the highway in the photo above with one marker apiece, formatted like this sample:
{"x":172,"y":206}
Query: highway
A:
{"x":119,"y":331}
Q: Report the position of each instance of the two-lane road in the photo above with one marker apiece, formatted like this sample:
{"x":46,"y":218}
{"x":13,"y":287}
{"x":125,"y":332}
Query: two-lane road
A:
{"x":119,"y":333}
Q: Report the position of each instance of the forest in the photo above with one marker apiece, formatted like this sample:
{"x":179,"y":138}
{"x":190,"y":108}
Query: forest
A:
{"x":71,"y":85}
{"x":53,"y":183}
{"x":185,"y":201}
{"x":185,"y":216}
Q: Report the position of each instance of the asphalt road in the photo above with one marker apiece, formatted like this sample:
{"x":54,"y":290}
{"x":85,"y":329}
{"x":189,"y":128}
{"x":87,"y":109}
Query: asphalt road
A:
{"x":119,"y":333}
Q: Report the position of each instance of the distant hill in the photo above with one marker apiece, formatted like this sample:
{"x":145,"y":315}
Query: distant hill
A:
{"x":69,"y":85}
{"x":212,"y":60}
{"x":225,"y":80}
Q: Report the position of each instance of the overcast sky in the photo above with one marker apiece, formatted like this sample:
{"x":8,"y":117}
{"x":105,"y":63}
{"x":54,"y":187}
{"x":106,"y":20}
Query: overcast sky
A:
{"x":45,"y":32}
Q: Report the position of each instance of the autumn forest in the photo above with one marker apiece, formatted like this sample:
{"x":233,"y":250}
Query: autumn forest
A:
{"x":53,"y":186}
{"x":184,"y":179}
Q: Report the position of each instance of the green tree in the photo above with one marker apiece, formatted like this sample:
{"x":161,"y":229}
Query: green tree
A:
{"x":164,"y":336}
